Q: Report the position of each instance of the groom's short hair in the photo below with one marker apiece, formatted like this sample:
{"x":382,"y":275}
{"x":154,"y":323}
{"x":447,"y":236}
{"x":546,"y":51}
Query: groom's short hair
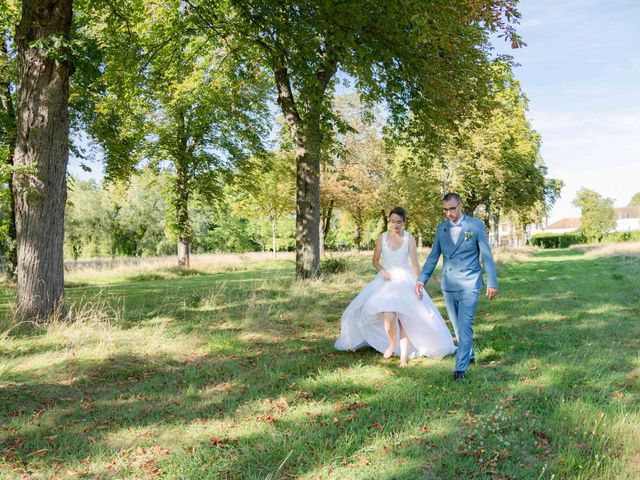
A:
{"x":452,"y":196}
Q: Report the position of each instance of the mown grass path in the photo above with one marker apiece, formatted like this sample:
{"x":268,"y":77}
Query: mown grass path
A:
{"x":234,"y":375}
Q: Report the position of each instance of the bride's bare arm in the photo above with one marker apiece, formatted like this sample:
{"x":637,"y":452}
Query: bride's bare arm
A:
{"x":413,"y":255}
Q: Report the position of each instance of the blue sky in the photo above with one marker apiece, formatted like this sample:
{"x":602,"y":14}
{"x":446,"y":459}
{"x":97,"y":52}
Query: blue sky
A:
{"x":581,"y":73}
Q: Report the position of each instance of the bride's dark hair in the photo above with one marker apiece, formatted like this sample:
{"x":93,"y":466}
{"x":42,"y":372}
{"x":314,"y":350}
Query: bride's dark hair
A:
{"x":400,"y":212}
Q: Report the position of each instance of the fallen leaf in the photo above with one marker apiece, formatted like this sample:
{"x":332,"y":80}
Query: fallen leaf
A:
{"x":38,"y":452}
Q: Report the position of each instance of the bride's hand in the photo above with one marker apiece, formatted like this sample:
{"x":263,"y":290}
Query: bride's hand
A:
{"x":385,"y":275}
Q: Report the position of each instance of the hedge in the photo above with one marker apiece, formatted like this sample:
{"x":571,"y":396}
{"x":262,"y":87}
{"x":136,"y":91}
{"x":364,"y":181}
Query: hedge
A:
{"x":555,"y":240}
{"x":564,"y":240}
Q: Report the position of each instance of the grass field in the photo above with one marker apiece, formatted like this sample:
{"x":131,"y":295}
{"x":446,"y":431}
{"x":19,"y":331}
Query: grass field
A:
{"x":230,"y":373}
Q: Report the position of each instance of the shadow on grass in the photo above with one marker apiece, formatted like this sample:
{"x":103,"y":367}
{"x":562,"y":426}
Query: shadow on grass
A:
{"x":554,"y":350}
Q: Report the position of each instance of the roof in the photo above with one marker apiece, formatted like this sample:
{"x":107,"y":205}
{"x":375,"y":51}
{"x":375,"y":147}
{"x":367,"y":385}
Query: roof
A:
{"x":627,"y":212}
{"x":573,"y":222}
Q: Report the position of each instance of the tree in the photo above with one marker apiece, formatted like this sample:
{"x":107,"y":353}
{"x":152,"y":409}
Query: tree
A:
{"x":359,"y":160}
{"x":271,"y":190}
{"x":495,"y":164}
{"x":413,"y":183}
{"x":137,"y":215}
{"x":8,"y":75}
{"x":598,"y":215}
{"x":426,"y":60}
{"x":42,"y":152}
{"x":635,"y":200}
{"x":190,"y":102}
{"x":86,"y":219}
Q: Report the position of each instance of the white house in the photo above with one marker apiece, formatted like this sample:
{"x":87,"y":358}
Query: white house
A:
{"x":627,"y":220}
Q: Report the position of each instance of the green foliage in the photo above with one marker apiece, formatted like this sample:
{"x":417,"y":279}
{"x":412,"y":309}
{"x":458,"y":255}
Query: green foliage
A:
{"x":265,"y":188}
{"x":333,"y":265}
{"x":598,"y":216}
{"x":353,"y":180}
{"x":617,"y":237}
{"x":495,"y":164}
{"x":635,"y":200}
{"x":553,"y":240}
{"x":169,"y":96}
{"x":123,"y":218}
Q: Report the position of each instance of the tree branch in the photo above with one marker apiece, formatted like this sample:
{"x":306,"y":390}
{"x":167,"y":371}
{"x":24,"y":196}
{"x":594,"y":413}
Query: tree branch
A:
{"x":286,"y":99}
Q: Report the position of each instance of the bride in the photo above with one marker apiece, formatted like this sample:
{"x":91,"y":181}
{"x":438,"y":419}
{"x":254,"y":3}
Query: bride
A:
{"x":388,"y":308}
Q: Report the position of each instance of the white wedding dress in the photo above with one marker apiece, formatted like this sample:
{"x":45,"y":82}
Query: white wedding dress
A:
{"x":362,"y":321}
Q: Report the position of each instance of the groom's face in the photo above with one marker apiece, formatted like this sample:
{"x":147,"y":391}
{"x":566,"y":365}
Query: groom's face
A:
{"x":452,"y":209}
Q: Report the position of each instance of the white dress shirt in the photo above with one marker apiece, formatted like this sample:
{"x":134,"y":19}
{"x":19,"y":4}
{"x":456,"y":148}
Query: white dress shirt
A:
{"x":455,"y":229}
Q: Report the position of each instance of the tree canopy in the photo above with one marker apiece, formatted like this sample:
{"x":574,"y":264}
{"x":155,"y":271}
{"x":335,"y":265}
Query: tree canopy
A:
{"x":598,"y":216}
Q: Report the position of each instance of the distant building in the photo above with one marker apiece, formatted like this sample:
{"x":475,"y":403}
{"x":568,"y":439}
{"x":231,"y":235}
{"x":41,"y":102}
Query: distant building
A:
{"x":627,"y":220}
{"x":564,"y":225}
{"x":510,"y":235}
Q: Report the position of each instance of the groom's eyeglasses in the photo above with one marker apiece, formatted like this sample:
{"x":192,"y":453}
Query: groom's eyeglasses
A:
{"x":452,"y":209}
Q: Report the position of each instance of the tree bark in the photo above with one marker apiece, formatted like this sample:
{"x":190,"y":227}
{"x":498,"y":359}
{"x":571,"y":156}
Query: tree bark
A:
{"x":307,"y":137}
{"x":357,"y":236}
{"x":182,"y":195}
{"x":307,"y":209}
{"x":273,"y":237}
{"x":42,"y":154}
{"x":420,"y":239}
{"x":385,"y":220}
{"x":469,"y":204}
{"x":182,"y":215}
{"x":326,"y":223}
{"x":11,"y":256}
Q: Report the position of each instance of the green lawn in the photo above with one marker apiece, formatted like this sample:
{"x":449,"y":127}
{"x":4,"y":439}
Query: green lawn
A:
{"x":233,"y":375}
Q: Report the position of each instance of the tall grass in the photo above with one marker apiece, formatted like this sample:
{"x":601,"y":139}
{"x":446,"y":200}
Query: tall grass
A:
{"x":233,"y":375}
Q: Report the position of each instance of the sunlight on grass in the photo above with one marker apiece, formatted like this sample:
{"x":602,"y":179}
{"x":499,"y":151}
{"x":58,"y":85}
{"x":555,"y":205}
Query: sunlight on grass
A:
{"x":231,"y":373}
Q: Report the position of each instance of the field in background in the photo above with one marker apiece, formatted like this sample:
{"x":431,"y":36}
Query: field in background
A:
{"x":229,"y":371}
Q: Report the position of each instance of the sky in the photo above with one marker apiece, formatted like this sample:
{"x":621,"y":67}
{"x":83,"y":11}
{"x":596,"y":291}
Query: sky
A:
{"x":581,"y":73}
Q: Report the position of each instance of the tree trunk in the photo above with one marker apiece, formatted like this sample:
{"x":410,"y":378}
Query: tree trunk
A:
{"x":385,"y":220}
{"x":307,"y":137}
{"x":357,"y":237}
{"x":469,"y":204}
{"x":273,"y":237}
{"x":42,"y":154}
{"x":420,"y":239}
{"x":182,"y":195}
{"x":11,"y":255}
{"x":326,"y":223}
{"x":308,"y":209}
{"x":322,"y":246}
{"x":496,"y":230}
{"x":182,"y":215}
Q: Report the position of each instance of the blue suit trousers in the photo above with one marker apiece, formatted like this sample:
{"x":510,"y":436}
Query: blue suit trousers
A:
{"x":461,"y":307}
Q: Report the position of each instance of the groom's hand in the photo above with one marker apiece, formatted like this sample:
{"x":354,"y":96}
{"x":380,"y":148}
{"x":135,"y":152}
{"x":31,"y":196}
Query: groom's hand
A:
{"x":419,"y":290}
{"x":492,"y":293}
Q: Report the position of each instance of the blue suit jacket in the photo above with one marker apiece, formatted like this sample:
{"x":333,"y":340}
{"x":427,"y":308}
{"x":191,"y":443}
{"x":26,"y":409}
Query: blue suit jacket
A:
{"x":461,"y":266}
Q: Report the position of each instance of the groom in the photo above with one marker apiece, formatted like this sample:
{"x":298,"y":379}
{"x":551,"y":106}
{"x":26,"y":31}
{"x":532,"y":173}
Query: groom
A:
{"x":461,"y":240}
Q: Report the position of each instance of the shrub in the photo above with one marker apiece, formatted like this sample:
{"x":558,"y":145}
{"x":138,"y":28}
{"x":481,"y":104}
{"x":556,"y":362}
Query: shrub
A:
{"x":333,"y":265}
{"x":617,"y":237}
{"x":556,"y":240}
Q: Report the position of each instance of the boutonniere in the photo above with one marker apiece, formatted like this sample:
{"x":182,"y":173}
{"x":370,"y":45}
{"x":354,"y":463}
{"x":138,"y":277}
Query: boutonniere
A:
{"x":468,"y":235}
